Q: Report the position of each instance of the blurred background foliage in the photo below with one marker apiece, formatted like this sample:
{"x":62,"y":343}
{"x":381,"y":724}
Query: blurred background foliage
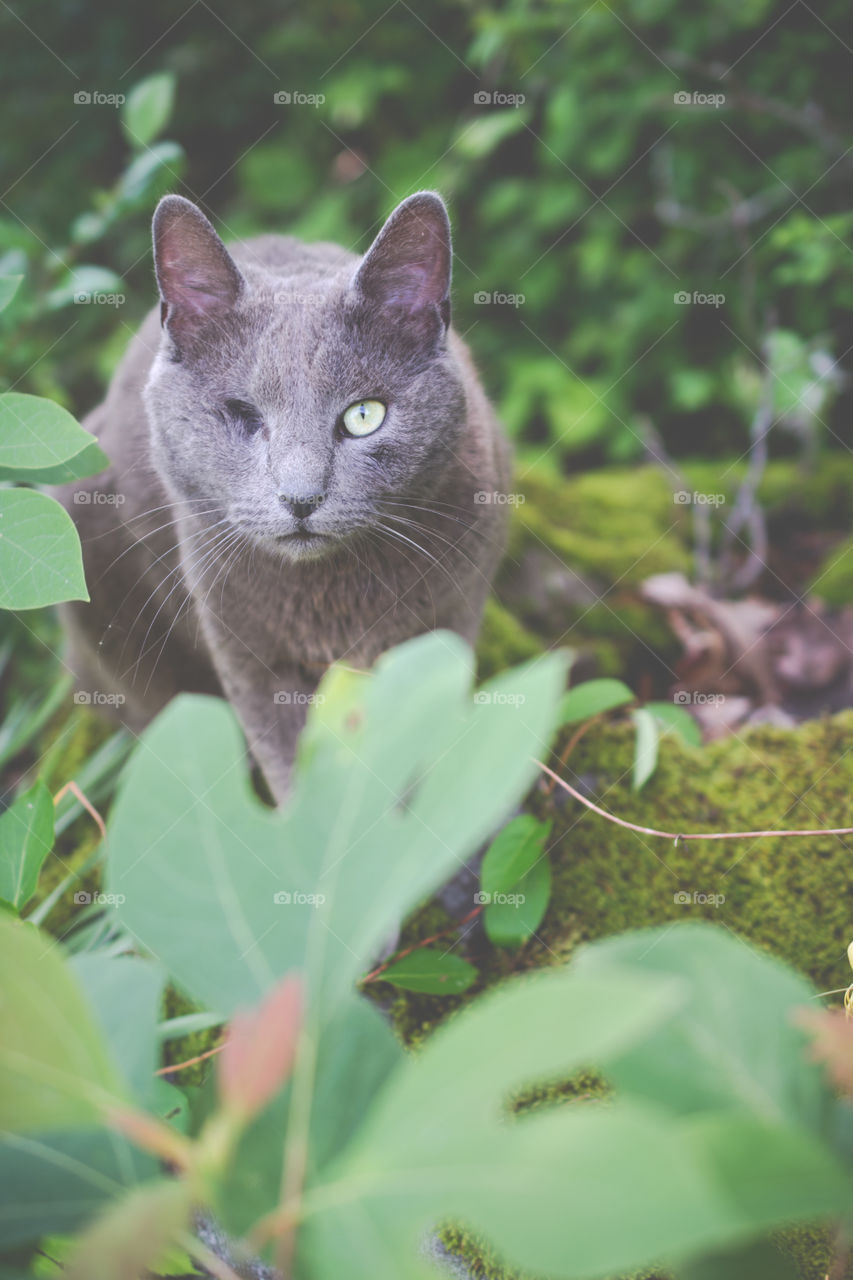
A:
{"x":599,"y":198}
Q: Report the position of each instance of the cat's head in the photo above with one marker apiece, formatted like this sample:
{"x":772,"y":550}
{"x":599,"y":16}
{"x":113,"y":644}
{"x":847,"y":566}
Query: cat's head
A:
{"x":300,"y":392}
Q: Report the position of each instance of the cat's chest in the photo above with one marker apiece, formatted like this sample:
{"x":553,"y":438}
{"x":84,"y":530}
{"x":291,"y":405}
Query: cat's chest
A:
{"x":321,"y":614}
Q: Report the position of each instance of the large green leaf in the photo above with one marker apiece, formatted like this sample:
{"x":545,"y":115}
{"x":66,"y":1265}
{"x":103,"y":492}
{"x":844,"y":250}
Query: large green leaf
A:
{"x":55,"y":1069}
{"x":354,"y":1055}
{"x":735,"y":1043}
{"x":40,"y":558}
{"x":26,"y":838}
{"x":88,"y":462}
{"x":35,"y":432}
{"x":54,"y":1182}
{"x":230,"y":895}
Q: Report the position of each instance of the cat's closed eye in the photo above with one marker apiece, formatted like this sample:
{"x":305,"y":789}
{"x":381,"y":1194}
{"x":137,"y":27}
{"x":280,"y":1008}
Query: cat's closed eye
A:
{"x":245,"y":416}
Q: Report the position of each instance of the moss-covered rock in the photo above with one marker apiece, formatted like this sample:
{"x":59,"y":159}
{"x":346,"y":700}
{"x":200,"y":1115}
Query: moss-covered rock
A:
{"x":789,"y":896}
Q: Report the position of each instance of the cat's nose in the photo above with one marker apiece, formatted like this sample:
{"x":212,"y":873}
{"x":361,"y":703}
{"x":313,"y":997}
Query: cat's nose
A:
{"x":302,"y":506}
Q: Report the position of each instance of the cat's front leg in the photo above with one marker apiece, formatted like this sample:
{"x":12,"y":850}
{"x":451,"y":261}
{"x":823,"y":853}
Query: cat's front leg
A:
{"x":271,"y":703}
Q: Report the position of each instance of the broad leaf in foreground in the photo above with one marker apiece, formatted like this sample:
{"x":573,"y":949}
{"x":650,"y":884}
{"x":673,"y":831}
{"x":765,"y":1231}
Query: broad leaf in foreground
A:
{"x":40,"y":558}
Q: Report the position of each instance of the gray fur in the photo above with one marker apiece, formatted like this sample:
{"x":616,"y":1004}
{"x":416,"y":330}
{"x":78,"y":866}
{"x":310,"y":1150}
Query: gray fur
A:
{"x":181,"y":601}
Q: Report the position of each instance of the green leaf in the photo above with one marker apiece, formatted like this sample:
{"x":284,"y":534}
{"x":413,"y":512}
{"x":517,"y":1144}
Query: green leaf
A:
{"x":55,"y":1070}
{"x":8,"y":288}
{"x":56,"y":1182}
{"x":761,"y":1261}
{"x":509,"y":923}
{"x":134,"y":1234}
{"x":512,"y":853}
{"x":26,"y":838}
{"x":155,"y":169}
{"x":40,"y":558}
{"x":230,"y":895}
{"x":88,"y":462}
{"x":435,"y":973}
{"x":646,"y":746}
{"x":148,"y":107}
{"x":355,"y":1054}
{"x":87,"y":285}
{"x":675,"y":719}
{"x":592,"y":698}
{"x":36,"y":433}
{"x":125,"y":994}
{"x":734,"y":1045}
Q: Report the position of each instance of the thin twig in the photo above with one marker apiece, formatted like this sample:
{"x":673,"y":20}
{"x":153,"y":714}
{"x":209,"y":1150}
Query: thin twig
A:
{"x":86,"y":803}
{"x":573,"y":742}
{"x":400,"y":955}
{"x":190,"y":1062}
{"x":689,"y":835}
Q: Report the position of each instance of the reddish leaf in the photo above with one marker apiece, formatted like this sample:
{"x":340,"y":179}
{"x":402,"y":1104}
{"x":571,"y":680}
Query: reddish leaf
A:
{"x":260,"y":1048}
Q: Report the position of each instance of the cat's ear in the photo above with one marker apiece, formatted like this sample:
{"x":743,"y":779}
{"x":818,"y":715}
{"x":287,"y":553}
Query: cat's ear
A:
{"x":407,"y":268}
{"x":196,"y":275}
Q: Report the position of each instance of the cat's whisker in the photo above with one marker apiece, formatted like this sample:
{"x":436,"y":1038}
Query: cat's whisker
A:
{"x":178,"y":569}
{"x":454,"y":546}
{"x":204,"y":559}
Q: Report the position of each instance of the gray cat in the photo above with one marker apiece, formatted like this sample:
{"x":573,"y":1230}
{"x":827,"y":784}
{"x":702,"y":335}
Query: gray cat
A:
{"x":304,"y":469}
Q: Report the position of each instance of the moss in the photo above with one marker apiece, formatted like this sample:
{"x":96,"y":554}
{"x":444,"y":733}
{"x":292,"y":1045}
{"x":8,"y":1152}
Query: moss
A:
{"x":616,"y":525}
{"x":787,"y":896}
{"x":504,"y":641}
{"x":834,"y":580}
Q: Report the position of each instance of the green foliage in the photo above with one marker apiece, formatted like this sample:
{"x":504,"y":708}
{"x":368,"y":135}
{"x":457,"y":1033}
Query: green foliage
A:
{"x":26,"y":838}
{"x":720,"y":1131}
{"x":593,"y":193}
{"x":433,"y":972}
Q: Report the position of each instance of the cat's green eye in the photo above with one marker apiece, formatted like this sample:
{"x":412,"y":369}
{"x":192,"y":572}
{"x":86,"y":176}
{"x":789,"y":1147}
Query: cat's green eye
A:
{"x":364,"y":417}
